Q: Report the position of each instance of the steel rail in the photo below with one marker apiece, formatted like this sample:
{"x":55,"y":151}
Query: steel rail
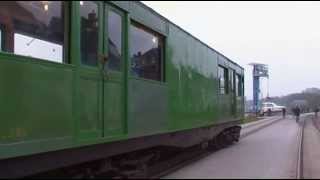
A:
{"x":178,"y":162}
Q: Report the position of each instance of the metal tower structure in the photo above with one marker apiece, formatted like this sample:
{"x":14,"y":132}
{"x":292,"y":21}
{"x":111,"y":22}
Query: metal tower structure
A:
{"x":259,"y":70}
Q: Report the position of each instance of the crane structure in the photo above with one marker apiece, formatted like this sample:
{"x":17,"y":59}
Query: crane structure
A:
{"x":259,"y":71}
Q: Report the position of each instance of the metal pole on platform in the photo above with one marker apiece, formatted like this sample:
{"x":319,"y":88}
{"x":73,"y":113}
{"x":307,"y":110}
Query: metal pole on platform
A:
{"x":259,"y":70}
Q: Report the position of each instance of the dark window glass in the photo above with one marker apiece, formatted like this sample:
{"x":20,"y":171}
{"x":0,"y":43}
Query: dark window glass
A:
{"x":33,"y":28}
{"x":226,"y":77}
{"x":146,"y":53}
{"x":89,"y":33}
{"x":1,"y":39}
{"x":242,"y":85}
{"x":114,"y":40}
{"x":232,"y":80}
{"x":239,"y":85}
{"x":223,"y":80}
{"x":239,"y":89}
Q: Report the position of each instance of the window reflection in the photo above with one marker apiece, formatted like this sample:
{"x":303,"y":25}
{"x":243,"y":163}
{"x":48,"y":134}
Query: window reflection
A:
{"x":1,"y":39}
{"x":237,"y":85}
{"x":31,"y":28}
{"x":232,"y":80}
{"x":34,"y":47}
{"x":114,"y":40}
{"x":223,"y":79}
{"x":89,"y":33}
{"x":146,"y":52}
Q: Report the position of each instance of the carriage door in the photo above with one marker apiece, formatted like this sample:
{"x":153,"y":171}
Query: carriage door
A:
{"x":113,"y":69}
{"x":100,"y":76}
{"x":89,"y":80}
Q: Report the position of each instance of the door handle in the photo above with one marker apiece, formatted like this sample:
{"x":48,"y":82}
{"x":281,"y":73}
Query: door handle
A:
{"x":103,"y":58}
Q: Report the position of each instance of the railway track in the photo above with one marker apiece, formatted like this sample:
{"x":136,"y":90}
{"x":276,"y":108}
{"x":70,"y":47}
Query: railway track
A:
{"x":177,"y":163}
{"x":299,"y":170}
{"x":179,"y":159}
{"x":301,"y":162}
{"x":204,"y":153}
{"x":311,"y":145}
{"x":190,"y":157}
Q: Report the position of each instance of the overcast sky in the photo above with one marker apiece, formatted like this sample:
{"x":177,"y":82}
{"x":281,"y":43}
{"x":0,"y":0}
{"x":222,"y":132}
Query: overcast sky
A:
{"x":284,"y":35}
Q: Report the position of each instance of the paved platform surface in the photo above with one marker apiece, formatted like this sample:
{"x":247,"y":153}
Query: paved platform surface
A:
{"x":249,"y":128}
{"x":271,"y":152}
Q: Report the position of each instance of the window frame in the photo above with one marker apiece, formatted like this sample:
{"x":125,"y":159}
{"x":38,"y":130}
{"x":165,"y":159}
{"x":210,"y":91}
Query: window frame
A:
{"x":107,"y":8}
{"x":161,"y":36}
{"x":239,"y":85}
{"x":66,"y":39}
{"x":100,"y":42}
{"x":226,"y":73}
{"x":232,"y":80}
{"x":221,"y":69}
{"x":1,"y":38}
{"x":226,"y":79}
{"x":67,"y":33}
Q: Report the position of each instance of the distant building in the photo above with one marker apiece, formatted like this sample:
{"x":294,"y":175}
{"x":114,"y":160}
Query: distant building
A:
{"x":312,"y":91}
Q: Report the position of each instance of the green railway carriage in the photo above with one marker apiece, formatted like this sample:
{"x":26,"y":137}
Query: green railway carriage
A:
{"x":80,"y":81}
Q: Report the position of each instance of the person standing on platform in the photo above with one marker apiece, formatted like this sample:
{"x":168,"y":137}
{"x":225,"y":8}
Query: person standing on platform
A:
{"x":316,"y":110}
{"x":296,"y":112}
{"x":284,"y":113}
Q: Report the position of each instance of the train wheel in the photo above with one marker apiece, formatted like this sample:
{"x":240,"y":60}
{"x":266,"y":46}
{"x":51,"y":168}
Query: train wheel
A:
{"x":222,"y":141}
{"x":213,"y":144}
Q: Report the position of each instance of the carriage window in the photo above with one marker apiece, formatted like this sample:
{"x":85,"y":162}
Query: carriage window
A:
{"x":239,"y":87}
{"x":114,"y":40}
{"x":232,"y":80}
{"x":241,"y":90}
{"x":1,"y":40}
{"x":146,"y":53}
{"x":223,"y":80}
{"x":89,"y":33}
{"x":242,"y":85}
{"x":33,"y":28}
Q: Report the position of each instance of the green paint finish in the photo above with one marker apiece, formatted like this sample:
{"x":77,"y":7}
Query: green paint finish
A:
{"x":36,"y":100}
{"x":47,"y":106}
{"x":147,"y":107}
{"x":192,"y":72}
{"x":113,"y":109}
{"x":90,"y":104}
{"x":34,"y":147}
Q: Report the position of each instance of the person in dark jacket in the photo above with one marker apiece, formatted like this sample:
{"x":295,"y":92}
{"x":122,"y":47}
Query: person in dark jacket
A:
{"x":284,"y":113}
{"x":296,"y":112}
{"x":316,"y":110}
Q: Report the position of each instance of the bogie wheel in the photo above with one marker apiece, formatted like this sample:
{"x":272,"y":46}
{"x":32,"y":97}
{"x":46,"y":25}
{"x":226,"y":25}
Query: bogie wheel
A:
{"x":213,"y":144}
{"x":222,"y":141}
